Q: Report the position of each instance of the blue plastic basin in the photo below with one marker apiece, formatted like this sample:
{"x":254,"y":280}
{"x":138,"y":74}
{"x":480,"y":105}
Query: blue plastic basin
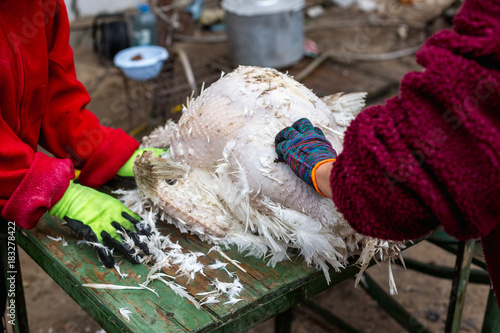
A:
{"x":147,"y":67}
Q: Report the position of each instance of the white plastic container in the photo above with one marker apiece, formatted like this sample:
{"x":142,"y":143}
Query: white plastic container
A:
{"x":144,"y":27}
{"x":141,"y":63}
{"x":267,"y":33}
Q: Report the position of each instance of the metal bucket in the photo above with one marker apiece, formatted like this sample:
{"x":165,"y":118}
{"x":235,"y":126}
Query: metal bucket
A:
{"x":266,"y":33}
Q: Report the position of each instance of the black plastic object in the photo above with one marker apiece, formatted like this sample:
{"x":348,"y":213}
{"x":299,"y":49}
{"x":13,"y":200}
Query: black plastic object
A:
{"x":110,"y":34}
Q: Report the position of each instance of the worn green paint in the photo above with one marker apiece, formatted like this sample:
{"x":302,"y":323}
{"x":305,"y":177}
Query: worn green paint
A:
{"x":66,"y":280}
{"x":72,"y":266}
{"x":253,"y":288}
{"x":267,"y":292}
{"x":491,"y":321}
{"x":452,"y":248}
{"x":476,"y":275}
{"x":465,"y":254}
{"x":285,"y":298}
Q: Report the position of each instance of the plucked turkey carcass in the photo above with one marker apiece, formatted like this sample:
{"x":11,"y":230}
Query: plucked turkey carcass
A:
{"x":222,"y":181}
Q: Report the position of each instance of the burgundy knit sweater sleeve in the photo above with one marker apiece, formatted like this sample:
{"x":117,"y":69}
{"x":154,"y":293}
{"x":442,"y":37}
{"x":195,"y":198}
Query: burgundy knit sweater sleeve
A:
{"x":431,"y":155}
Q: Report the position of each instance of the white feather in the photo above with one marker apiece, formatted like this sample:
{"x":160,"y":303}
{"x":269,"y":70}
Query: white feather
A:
{"x":125,"y":313}
{"x":230,"y":190}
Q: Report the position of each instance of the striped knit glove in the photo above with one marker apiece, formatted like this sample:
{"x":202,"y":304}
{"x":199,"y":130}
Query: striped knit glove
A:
{"x":304,"y":148}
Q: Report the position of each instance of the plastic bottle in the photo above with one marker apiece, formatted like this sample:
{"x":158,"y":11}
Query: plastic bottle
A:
{"x":144,"y":26}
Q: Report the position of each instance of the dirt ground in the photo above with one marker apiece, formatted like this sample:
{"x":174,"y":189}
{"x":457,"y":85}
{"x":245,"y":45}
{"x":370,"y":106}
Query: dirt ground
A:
{"x":51,"y":310}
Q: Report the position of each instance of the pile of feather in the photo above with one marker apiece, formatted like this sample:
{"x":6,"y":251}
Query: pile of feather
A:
{"x":221,"y":179}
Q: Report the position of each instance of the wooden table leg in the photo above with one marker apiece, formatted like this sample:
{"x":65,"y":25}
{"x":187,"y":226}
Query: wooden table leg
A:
{"x":491,"y":321}
{"x":465,"y":253}
{"x":283,"y":322}
{"x":16,"y":313}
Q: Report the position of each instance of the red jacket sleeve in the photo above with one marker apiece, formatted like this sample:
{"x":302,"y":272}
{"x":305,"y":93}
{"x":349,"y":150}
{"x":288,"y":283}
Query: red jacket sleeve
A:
{"x":431,"y":155}
{"x":31,"y":182}
{"x":69,"y":130}
{"x":43,"y":103}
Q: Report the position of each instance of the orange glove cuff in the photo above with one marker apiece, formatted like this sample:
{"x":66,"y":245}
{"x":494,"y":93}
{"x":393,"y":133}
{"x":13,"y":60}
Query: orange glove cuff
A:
{"x":313,"y":174}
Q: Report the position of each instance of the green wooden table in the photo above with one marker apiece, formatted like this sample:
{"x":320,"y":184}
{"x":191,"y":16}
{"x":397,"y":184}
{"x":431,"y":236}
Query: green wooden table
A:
{"x":267,"y":291}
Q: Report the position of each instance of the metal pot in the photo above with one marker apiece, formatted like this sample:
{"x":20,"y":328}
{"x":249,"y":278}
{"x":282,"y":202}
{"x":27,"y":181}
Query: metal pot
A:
{"x":266,"y":33}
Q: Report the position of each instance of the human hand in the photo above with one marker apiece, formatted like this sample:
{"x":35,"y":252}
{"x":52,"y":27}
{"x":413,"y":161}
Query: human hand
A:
{"x":304,"y":148}
{"x":104,"y":222}
{"x":127,"y":170}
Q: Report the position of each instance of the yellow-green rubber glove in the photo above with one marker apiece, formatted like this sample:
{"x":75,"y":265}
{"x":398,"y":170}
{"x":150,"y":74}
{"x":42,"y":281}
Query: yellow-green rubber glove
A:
{"x":127,"y":170}
{"x":103,"y":221}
